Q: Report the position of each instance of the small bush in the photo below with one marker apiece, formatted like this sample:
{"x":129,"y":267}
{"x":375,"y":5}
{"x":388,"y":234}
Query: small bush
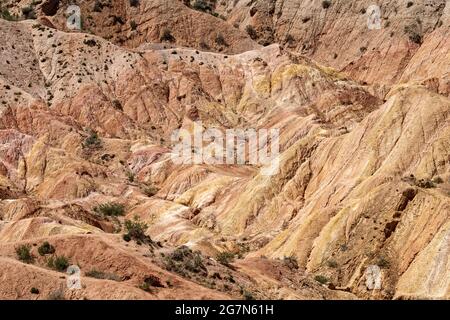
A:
{"x":183,"y":260}
{"x":117,"y":105}
{"x":203,"y":45}
{"x":251,"y":32}
{"x":149,"y":190}
{"x":110,"y":209}
{"x":326,"y":4}
{"x":290,"y":262}
{"x":413,"y":34}
{"x":220,"y":40}
{"x":46,"y":248}
{"x":201,"y":5}
{"x":225,"y":258}
{"x":34,"y":290}
{"x":130,"y":175}
{"x":102,"y":275}
{"x":153,"y":281}
{"x":133,"y":25}
{"x":24,"y":253}
{"x":134,"y":3}
{"x":90,"y":42}
{"x":136,"y":230}
{"x":437,"y":180}
{"x":247,"y":295}
{"x":321,"y":279}
{"x":332,"y":264}
{"x":98,"y":6}
{"x":4,"y":14}
{"x":409,"y":4}
{"x":383,"y":263}
{"x":60,"y":263}
{"x":166,"y":35}
{"x":29,"y":12}
{"x":92,"y":141}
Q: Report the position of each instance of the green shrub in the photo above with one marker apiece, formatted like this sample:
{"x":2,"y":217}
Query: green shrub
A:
{"x":98,"y":6}
{"x":110,"y":209}
{"x":149,"y":190}
{"x":46,"y":248}
{"x":220,"y":40}
{"x":102,"y":275}
{"x":332,"y":264}
{"x":134,"y":3}
{"x":153,"y":281}
{"x":201,"y":5}
{"x":326,"y":4}
{"x":413,"y":34}
{"x":321,"y":279}
{"x":60,"y":263}
{"x":136,"y":230}
{"x":225,"y":258}
{"x":29,"y":12}
{"x":34,"y":290}
{"x":117,"y":105}
{"x":247,"y":295}
{"x":133,"y":25}
{"x":4,"y":14}
{"x":130,"y":175}
{"x":383,"y":263}
{"x":183,"y":260}
{"x":92,"y":141}
{"x":166,"y":35}
{"x":251,"y":32}
{"x":24,"y":253}
{"x":290,"y":262}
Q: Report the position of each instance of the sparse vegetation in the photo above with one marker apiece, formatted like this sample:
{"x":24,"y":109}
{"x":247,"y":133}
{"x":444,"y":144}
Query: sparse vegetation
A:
{"x":291,"y":262}
{"x":117,"y":105}
{"x":201,"y":5}
{"x":247,"y":295}
{"x":46,"y":248}
{"x":220,"y":40}
{"x":34,"y":290}
{"x":332,"y":264}
{"x":251,"y":32}
{"x":29,"y":12}
{"x":130,"y":175}
{"x":110,"y":209}
{"x":103,"y":275}
{"x":134,"y":3}
{"x":149,"y":190}
{"x":92,"y":141}
{"x":383,"y":263}
{"x":413,"y":34}
{"x":321,"y":279}
{"x":326,"y":4}
{"x":183,"y":260}
{"x":136,"y":231}
{"x":166,"y":35}
{"x":225,"y":258}
{"x":24,"y":253}
{"x":5,"y":14}
{"x":59,"y":263}
{"x":133,"y":25}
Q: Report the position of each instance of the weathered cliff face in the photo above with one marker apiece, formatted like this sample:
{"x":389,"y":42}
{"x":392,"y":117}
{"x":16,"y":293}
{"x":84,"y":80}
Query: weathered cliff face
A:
{"x":364,"y":173}
{"x":336,"y":34}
